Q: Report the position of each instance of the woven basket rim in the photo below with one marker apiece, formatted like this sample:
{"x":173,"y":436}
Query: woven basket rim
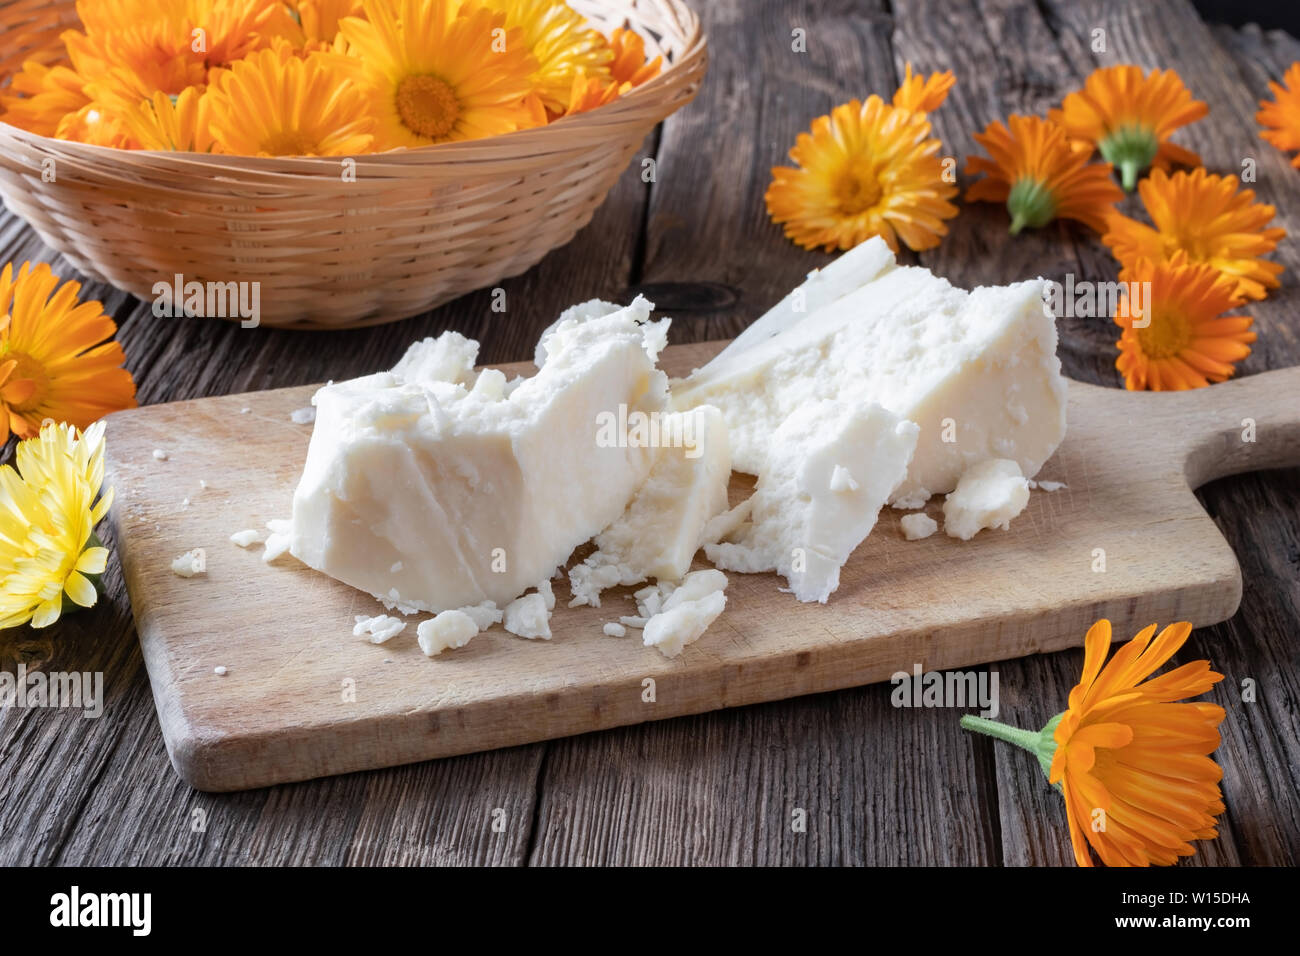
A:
{"x":555,"y":136}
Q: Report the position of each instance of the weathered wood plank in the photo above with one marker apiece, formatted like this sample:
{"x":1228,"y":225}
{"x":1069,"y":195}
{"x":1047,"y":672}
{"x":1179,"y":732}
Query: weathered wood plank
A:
{"x":872,"y":784}
{"x":1257,"y":513}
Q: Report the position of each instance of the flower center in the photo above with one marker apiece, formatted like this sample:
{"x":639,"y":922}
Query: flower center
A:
{"x":1197,"y":248}
{"x":857,"y":189}
{"x":30,"y":371}
{"x":1167,"y":336}
{"x":288,"y":142}
{"x":427,"y":105}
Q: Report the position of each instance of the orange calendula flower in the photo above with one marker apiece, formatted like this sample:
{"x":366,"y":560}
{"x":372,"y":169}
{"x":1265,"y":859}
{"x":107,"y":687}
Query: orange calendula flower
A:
{"x":139,"y":47}
{"x":629,"y":64}
{"x":923,"y":94}
{"x":268,"y":104}
{"x":1207,"y":218}
{"x":56,"y":360}
{"x":1130,"y":755}
{"x":1034,"y":168}
{"x":867,"y":169}
{"x":1130,"y":117}
{"x":40,"y":96}
{"x":590,"y":92}
{"x":1179,"y":338}
{"x":1280,"y":116}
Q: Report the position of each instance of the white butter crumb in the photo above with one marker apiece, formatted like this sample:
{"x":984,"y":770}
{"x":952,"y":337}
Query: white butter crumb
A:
{"x":277,"y":542}
{"x":393,"y":601}
{"x":650,"y":599}
{"x":918,"y":525}
{"x":988,"y":495}
{"x":614,"y":629}
{"x":631,"y":620}
{"x":220,"y":671}
{"x":191,"y":563}
{"x":912,"y":502}
{"x":483,"y":615}
{"x":379,"y":628}
{"x":527,"y":617}
{"x":687,"y":612}
{"x":244,"y":411}
{"x":448,"y":629}
{"x":396,"y":566}
{"x":185,"y":502}
{"x":160,"y":454}
{"x":303,"y":416}
{"x":248,"y":537}
{"x":548,"y":595}
{"x":1052,"y":485}
{"x":203,"y":485}
{"x":842,"y":480}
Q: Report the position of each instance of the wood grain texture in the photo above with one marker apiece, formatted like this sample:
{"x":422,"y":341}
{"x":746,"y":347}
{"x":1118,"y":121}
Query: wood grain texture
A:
{"x":1257,"y":513}
{"x":100,"y":790}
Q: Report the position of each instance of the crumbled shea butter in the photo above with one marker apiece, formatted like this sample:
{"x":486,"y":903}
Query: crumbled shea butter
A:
{"x":379,"y":628}
{"x":988,"y":495}
{"x":248,"y":537}
{"x":917,"y":525}
{"x":191,"y":563}
{"x":448,"y":629}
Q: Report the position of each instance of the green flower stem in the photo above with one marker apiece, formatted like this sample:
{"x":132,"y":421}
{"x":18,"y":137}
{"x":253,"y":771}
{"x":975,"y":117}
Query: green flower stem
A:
{"x":1042,"y":743}
{"x":1024,"y":739}
{"x":1129,"y":170}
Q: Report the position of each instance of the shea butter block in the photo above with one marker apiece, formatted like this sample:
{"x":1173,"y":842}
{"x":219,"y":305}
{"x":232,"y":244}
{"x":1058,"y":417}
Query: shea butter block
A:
{"x":434,"y":486}
{"x":976,"y":371}
{"x":832,"y":467}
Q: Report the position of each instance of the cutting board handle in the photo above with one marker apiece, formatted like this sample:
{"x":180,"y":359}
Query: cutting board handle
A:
{"x":1246,"y":424}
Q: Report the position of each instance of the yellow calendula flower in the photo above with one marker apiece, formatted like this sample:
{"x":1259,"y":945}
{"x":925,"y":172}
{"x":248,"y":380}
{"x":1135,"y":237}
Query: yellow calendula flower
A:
{"x":1280,"y":116}
{"x":1130,"y":116}
{"x":1211,"y":221}
{"x":1131,"y":754}
{"x":866,"y":169}
{"x":560,"y":42}
{"x":271,"y":104}
{"x":923,"y":94}
{"x":57,"y":357}
{"x":1034,"y":169}
{"x":49,"y":506}
{"x":319,"y":19}
{"x":161,"y":122}
{"x":1181,"y":339}
{"x":438,"y":70}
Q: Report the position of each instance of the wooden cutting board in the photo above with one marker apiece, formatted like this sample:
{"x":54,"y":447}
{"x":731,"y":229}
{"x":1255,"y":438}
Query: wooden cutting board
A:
{"x":302,"y":698}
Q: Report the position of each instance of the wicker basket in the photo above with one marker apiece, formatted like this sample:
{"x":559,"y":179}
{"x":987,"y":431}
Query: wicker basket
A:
{"x":417,"y":227}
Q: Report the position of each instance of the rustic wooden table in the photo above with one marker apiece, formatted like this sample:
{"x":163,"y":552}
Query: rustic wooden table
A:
{"x":880,"y":785}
